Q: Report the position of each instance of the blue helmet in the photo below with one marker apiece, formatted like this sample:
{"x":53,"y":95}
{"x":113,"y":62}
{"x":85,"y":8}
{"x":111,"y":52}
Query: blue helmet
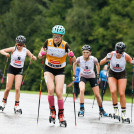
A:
{"x":20,"y":39}
{"x":58,"y":29}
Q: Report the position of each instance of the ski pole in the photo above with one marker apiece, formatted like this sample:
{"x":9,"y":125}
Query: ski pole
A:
{"x":105,"y":81}
{"x":73,"y":91}
{"x":69,"y":85}
{"x":40,"y":87}
{"x":94,"y":96}
{"x":26,"y":73}
{"x":4,"y":73}
{"x":93,"y":102}
{"x":132,"y":92}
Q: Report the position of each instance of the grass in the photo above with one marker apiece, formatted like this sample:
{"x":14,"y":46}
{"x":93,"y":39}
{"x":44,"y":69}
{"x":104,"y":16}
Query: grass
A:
{"x":107,"y":96}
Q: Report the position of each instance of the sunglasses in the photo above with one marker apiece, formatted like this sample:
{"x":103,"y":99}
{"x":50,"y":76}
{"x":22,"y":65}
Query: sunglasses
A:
{"x":20,"y":45}
{"x":120,"y":52}
{"x":57,"y":36}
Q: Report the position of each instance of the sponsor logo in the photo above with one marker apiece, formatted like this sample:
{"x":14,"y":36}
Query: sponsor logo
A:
{"x":56,"y":66}
{"x":17,"y":62}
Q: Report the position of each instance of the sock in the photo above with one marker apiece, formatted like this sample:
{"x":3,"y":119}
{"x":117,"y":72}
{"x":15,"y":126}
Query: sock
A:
{"x":4,"y":100}
{"x":51,"y":100}
{"x":81,"y":106}
{"x":123,"y":109}
{"x":115,"y":106}
{"x":16,"y":103}
{"x":61,"y":104}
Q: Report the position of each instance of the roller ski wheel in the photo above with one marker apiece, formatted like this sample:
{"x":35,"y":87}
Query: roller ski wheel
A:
{"x":63,"y":123}
{"x":17,"y":109}
{"x":52,"y":114}
{"x":51,"y":119}
{"x":127,"y":120}
{"x":2,"y":108}
{"x":102,"y":113}
{"x":81,"y":113}
{"x":116,"y":117}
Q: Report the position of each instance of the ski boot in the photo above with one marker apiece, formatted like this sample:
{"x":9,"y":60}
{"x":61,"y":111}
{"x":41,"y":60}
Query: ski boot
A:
{"x":103,"y":113}
{"x":81,"y":112}
{"x":116,"y":114}
{"x":61,"y":120}
{"x":124,"y":118}
{"x":2,"y":106}
{"x":17,"y":109}
{"x":52,"y":114}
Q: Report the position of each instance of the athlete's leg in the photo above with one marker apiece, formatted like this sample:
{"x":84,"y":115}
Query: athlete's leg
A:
{"x":113,"y":89}
{"x":9,"y":83}
{"x":122,"y":87}
{"x":82,"y":90}
{"x":97,"y":95}
{"x":49,"y":79}
{"x":18,"y":81}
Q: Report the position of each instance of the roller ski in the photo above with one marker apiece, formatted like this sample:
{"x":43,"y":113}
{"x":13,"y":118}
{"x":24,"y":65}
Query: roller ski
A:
{"x":81,"y":112}
{"x":62,"y":122}
{"x":2,"y":106}
{"x":124,"y":118}
{"x":17,"y":109}
{"x":52,"y":114}
{"x":116,"y":114}
{"x":102,"y":113}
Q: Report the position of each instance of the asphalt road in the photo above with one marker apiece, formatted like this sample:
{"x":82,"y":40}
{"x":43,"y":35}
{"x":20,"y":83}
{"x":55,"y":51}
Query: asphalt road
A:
{"x":11,"y":123}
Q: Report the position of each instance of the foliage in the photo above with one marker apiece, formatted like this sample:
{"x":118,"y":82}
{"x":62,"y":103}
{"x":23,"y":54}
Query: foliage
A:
{"x":98,"y":23}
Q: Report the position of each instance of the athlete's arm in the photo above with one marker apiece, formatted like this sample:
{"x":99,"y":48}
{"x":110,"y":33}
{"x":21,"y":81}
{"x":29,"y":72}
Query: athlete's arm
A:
{"x":43,"y":50}
{"x":67,"y":50}
{"x":31,"y":55}
{"x":6,"y":51}
{"x":128,"y":58}
{"x":105,"y":60}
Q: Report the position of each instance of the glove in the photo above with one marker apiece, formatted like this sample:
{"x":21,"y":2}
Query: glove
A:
{"x":43,"y":53}
{"x":133,"y":62}
{"x":71,"y":54}
{"x":108,"y":56}
{"x":98,"y":76}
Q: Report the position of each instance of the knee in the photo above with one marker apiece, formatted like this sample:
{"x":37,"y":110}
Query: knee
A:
{"x":122,"y":95}
{"x":81,"y":91}
{"x":17,"y":90}
{"x":113,"y":92}
{"x":51,"y":91}
{"x":8,"y":89}
{"x":97,"y":95}
{"x":59,"y":94}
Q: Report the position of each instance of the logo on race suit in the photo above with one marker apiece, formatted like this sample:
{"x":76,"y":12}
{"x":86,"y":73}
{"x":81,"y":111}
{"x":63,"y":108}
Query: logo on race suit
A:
{"x":19,"y":58}
{"x":62,"y":45}
{"x":50,"y":43}
{"x":117,"y":68}
{"x":117,"y":65}
{"x":86,"y":67}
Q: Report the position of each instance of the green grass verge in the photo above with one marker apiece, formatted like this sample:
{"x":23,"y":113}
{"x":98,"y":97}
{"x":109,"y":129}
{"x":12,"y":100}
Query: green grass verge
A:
{"x":107,"y":96}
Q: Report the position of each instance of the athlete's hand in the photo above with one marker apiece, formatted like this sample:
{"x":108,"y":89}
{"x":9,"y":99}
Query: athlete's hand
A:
{"x":7,"y":55}
{"x":43,"y":53}
{"x":108,"y":56}
{"x":98,"y":77}
{"x":34,"y":58}
{"x":71,"y":54}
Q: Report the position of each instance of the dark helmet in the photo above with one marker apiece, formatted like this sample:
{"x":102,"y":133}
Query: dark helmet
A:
{"x":20,"y":39}
{"x":120,"y":47}
{"x":86,"y":47}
